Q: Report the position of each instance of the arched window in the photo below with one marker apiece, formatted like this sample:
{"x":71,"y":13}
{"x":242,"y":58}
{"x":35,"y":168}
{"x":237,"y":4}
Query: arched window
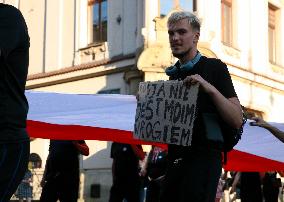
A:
{"x":35,"y":160}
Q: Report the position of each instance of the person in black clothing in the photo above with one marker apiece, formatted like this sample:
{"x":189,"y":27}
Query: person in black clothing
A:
{"x":154,"y":168}
{"x":14,"y":60}
{"x":125,"y":172}
{"x":271,"y":185}
{"x":250,"y":186}
{"x":61,"y":175}
{"x":194,"y":171}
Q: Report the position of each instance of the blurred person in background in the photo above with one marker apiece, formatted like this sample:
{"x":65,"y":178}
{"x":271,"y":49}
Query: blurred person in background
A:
{"x":25,"y":189}
{"x":154,"y":168}
{"x":125,"y":172}
{"x":62,"y":175}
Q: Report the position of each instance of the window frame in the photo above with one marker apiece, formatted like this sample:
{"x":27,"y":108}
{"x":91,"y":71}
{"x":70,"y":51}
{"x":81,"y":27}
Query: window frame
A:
{"x":272,"y":34}
{"x":102,"y":38}
{"x":227,"y":37}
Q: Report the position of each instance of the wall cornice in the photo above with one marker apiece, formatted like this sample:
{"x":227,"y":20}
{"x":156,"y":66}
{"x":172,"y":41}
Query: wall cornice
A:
{"x":83,"y":71}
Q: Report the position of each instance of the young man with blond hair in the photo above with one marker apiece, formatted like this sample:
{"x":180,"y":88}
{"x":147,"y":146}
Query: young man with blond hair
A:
{"x":193,"y":171}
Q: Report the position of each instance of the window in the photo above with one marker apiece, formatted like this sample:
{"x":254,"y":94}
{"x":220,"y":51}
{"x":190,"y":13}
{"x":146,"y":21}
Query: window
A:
{"x":167,"y":5}
{"x":110,"y":91}
{"x":98,"y":18}
{"x":227,"y":25}
{"x":272,"y":33}
{"x":35,"y":160}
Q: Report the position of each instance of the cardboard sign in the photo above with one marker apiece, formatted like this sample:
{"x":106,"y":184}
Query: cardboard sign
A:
{"x":165,"y":112}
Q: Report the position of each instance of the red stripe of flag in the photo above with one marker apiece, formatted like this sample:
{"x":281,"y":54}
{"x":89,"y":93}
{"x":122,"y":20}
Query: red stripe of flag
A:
{"x":237,"y":160}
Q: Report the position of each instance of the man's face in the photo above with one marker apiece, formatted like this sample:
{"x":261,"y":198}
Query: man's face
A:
{"x":182,"y":38}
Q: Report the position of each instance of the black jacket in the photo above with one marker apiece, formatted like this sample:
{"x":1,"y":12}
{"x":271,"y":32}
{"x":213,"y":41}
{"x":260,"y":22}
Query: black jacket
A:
{"x":14,"y":60}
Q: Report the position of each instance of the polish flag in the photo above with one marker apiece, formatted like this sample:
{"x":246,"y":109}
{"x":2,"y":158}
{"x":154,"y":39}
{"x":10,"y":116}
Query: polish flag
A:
{"x":111,"y":118}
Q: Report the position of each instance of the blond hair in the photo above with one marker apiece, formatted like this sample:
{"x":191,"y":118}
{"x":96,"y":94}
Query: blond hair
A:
{"x":193,"y":20}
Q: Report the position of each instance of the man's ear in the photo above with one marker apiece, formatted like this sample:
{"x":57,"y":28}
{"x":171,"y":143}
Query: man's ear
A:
{"x":196,"y":36}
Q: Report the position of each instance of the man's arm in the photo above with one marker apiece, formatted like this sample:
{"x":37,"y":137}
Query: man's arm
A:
{"x":235,"y":182}
{"x":275,"y":131}
{"x":229,"y":108}
{"x":82,"y":147}
{"x":144,"y":166}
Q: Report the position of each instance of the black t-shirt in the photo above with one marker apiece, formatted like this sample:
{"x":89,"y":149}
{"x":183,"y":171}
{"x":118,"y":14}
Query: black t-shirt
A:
{"x":14,"y":59}
{"x":125,"y":160}
{"x":216,"y":73}
{"x":63,"y":156}
{"x":250,"y":187}
{"x":157,"y":163}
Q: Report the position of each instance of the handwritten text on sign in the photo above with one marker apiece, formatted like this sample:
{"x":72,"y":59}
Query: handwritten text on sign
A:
{"x":165,"y":112}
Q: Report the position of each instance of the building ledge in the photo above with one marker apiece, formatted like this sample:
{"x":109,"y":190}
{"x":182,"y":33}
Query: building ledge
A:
{"x":82,"y":71}
{"x":80,"y":67}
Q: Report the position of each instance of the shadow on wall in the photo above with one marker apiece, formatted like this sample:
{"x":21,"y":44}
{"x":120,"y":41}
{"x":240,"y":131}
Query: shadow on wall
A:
{"x":97,"y":176}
